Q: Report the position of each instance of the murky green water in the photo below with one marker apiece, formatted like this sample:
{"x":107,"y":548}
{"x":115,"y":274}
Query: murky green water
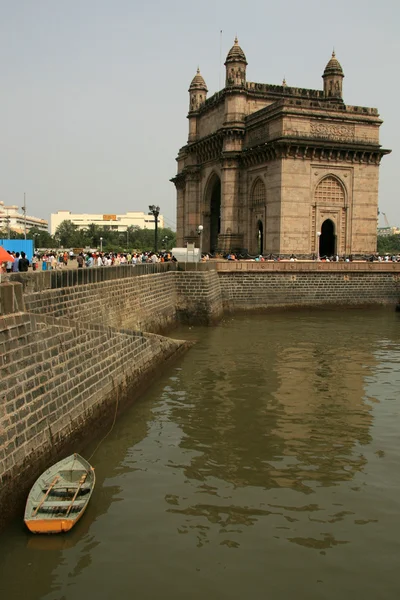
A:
{"x":266,"y":464}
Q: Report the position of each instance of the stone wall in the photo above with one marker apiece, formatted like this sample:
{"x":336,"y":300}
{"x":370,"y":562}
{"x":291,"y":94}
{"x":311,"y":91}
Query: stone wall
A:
{"x":146,"y":303}
{"x":69,"y":354}
{"x":61,"y":379}
{"x":151,"y":302}
{"x":198,"y":296}
{"x":264,"y":285}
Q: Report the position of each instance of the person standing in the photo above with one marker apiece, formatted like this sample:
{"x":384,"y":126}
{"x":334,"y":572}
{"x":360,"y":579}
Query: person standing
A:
{"x":80,"y":260}
{"x":89,"y":261}
{"x":9,"y":264}
{"x":23,"y":263}
{"x":15,"y":265}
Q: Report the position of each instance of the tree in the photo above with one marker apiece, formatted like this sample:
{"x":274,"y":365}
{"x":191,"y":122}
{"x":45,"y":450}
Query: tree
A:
{"x":41,"y":239}
{"x":167,"y":238}
{"x":389,"y":244}
{"x":93,"y":234}
{"x":67,"y":234}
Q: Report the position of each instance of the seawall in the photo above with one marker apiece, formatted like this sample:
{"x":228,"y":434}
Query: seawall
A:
{"x":63,"y":380}
{"x":150,"y":298}
{"x":73,"y":342}
{"x":258,"y":286}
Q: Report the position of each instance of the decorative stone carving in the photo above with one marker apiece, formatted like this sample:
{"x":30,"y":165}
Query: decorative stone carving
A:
{"x":258,"y":136}
{"x":332,"y":131}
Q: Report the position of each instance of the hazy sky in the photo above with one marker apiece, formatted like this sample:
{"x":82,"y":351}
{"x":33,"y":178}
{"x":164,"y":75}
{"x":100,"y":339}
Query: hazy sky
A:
{"x":94,"y":96}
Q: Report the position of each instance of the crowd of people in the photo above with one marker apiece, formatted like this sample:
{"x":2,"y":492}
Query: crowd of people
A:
{"x":51,"y":260}
{"x":19,"y":263}
{"x":109,"y":259}
{"x":335,"y":258}
{"x":58,"y":260}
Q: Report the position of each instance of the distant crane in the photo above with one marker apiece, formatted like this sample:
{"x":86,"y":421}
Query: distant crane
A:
{"x":387,"y":224}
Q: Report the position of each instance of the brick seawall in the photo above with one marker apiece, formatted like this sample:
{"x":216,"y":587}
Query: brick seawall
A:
{"x":251,"y":285}
{"x":60,"y":384}
{"x":68,"y":351}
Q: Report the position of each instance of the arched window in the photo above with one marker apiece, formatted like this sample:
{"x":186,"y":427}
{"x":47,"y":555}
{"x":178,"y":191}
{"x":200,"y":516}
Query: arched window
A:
{"x":258,"y":195}
{"x":329,"y":191}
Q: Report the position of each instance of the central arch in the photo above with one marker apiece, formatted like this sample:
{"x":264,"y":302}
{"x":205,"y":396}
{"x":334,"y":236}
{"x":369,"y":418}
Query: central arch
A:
{"x":327,"y":240}
{"x":213,"y":208}
{"x":257,"y":211}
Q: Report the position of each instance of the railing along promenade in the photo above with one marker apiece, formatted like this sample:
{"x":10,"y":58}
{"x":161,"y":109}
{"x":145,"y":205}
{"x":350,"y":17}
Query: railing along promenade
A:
{"x":302,"y":266}
{"x":35,"y":281}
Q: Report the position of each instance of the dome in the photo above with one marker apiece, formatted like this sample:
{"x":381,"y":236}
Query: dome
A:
{"x":333,"y":67}
{"x":198,"y":82}
{"x":236,"y":54}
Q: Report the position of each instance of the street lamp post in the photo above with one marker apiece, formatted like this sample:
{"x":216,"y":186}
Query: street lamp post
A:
{"x":24,"y":211}
{"x":318,"y":239}
{"x":155,"y":211}
{"x":101,"y":244}
{"x":200,"y":232}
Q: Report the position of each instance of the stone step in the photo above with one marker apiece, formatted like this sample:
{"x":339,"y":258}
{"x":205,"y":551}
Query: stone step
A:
{"x":16,"y":360}
{"x":28,"y":411}
{"x":34,"y":355}
{"x":9,"y":333}
{"x":68,"y":368}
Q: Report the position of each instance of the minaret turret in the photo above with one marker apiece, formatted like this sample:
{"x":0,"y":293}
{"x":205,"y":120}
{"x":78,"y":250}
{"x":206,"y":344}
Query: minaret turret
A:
{"x":197,"y":96}
{"x":235,"y":64}
{"x":198,"y":91}
{"x":333,"y":79}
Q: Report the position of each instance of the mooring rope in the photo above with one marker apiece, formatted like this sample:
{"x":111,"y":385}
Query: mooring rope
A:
{"x":108,"y":432}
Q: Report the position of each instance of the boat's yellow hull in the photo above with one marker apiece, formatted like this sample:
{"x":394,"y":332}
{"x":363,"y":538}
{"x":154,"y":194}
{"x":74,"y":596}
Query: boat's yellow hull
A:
{"x":59,"y":497}
{"x":52,"y":525}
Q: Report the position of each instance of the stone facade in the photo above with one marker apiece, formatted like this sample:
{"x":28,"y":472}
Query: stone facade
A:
{"x":278,"y":169}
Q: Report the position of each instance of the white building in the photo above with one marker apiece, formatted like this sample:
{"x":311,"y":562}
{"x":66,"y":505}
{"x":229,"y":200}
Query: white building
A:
{"x":110,"y":222}
{"x":386,"y":231}
{"x":11,"y":219}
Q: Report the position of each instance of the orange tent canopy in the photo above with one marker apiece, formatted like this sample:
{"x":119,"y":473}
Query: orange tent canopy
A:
{"x":5,"y":256}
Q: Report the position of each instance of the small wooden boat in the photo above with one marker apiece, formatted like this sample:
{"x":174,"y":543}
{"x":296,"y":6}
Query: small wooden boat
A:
{"x":60,"y":496}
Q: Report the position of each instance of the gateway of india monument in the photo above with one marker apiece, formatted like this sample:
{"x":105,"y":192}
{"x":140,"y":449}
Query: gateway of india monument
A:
{"x":278,"y":169}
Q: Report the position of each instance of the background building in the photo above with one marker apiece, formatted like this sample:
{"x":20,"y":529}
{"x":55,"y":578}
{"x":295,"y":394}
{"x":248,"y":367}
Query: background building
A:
{"x":110,"y":222}
{"x":278,"y":169}
{"x":13,"y":220}
{"x":386,"y":231}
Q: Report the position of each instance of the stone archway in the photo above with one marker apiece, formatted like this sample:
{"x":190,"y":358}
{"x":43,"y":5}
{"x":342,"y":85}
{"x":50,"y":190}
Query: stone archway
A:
{"x":330,"y":198}
{"x":257,"y":210}
{"x":327,"y":239}
{"x":260,"y":229}
{"x":213,"y":210}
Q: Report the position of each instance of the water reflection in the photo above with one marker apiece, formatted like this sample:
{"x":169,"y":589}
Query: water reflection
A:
{"x":265,"y":462}
{"x":276,"y":416}
{"x":285,"y":411}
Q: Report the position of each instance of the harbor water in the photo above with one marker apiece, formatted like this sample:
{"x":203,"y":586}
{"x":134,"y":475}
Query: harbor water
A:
{"x":263,"y":464}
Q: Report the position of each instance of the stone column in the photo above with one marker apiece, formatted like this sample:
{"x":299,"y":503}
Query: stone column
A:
{"x":192,"y":206}
{"x":180,"y":211}
{"x":230,"y":238}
